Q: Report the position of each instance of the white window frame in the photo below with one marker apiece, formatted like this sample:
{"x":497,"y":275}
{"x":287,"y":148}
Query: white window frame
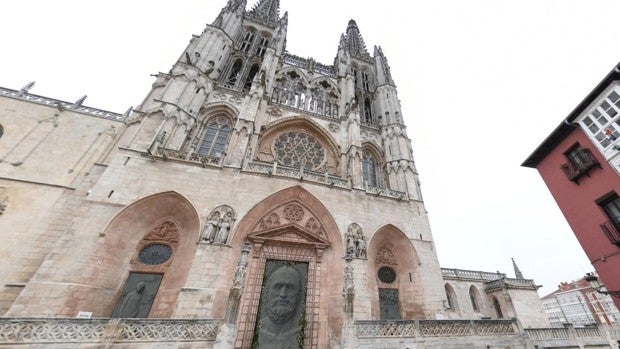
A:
{"x":595,"y":120}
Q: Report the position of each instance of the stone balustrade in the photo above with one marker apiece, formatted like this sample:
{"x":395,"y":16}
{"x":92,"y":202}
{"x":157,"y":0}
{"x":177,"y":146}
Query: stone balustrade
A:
{"x":61,"y":104}
{"x":104,"y":330}
{"x":433,"y":328}
{"x":470,"y":274}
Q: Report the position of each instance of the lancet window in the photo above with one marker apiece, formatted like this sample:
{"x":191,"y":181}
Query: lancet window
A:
{"x":364,"y":86}
{"x":251,"y":74}
{"x":235,"y":71}
{"x":246,"y":60}
{"x":372,"y":174}
{"x":474,"y":298}
{"x":215,"y":137}
{"x":262,"y":46}
{"x":248,"y":38}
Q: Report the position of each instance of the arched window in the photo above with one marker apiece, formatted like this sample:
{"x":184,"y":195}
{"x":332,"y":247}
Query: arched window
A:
{"x":215,"y":137}
{"x":367,"y":112}
{"x":247,"y":41}
{"x":498,"y":309}
{"x":365,"y":81}
{"x":235,"y":71}
{"x":369,"y":169}
{"x":262,"y":47}
{"x":473,"y":296}
{"x":450,"y":298}
{"x":250,"y":78}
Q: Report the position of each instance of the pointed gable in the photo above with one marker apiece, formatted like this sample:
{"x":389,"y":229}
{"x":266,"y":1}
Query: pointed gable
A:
{"x":289,"y":233}
{"x":292,"y":214}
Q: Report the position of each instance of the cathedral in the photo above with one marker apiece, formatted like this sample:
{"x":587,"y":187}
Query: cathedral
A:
{"x":254,"y":199}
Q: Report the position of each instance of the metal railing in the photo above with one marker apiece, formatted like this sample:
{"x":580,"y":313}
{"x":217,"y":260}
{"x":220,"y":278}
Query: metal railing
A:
{"x":580,"y":163}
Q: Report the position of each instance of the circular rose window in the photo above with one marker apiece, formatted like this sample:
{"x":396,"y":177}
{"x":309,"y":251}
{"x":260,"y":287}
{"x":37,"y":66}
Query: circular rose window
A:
{"x":155,"y":254}
{"x":386,"y":275}
{"x":297,"y":149}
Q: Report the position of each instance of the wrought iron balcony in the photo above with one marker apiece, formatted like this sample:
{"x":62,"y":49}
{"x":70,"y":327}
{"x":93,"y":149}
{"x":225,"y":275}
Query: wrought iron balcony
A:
{"x":612,"y":231}
{"x":582,"y":161}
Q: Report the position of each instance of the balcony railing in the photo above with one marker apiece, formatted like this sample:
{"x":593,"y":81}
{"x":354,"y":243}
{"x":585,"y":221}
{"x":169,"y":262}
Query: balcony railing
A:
{"x":582,"y":161}
{"x":610,"y":228}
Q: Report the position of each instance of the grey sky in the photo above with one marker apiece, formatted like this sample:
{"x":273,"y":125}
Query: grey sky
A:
{"x":481,"y":83}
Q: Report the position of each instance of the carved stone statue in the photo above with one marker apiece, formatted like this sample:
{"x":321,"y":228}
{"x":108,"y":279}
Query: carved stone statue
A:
{"x":280,"y":328}
{"x":360,"y":245}
{"x":348,"y":288}
{"x":222,"y":234}
{"x":131,"y":303}
{"x":356,"y":243}
{"x":241,"y":266}
{"x":350,"y":245}
{"x":211,"y":227}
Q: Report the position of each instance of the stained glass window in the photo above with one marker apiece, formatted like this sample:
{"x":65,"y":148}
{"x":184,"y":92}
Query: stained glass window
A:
{"x":155,"y":254}
{"x":369,"y":170}
{"x":298,"y":149}
{"x":215,"y":138}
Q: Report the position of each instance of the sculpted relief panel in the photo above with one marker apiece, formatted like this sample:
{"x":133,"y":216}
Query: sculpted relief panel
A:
{"x":282,"y":306}
{"x":294,"y":213}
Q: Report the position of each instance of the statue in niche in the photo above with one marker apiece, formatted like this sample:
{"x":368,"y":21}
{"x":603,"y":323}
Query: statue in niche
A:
{"x":222,"y":234}
{"x":211,"y":227}
{"x":281,"y":327}
{"x":218,"y":227}
{"x":356,"y":243}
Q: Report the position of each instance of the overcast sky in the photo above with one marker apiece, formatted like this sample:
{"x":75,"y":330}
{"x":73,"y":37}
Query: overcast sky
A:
{"x":481,"y":82}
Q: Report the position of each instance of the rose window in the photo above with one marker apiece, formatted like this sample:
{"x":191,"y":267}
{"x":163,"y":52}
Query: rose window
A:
{"x":298,"y":149}
{"x":155,"y":254}
{"x":387,"y":275}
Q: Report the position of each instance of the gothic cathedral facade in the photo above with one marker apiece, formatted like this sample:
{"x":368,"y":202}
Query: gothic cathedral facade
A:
{"x":246,"y":172}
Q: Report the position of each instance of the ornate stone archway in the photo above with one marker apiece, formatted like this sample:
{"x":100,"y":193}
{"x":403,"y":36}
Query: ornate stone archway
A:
{"x":290,"y":228}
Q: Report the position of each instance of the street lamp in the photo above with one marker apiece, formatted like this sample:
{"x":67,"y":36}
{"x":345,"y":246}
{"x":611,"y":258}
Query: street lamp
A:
{"x":600,"y":288}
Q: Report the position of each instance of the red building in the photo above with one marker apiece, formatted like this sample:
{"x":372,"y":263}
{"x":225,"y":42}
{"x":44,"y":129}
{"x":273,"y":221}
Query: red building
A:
{"x":579,"y":162}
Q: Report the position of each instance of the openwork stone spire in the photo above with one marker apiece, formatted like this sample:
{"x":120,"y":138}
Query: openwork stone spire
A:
{"x":518,"y":273}
{"x":384,"y":76}
{"x":266,"y":10}
{"x":354,"y":41}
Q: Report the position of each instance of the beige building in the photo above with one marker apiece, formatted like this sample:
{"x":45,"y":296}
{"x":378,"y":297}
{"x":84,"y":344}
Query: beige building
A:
{"x":246,"y":174}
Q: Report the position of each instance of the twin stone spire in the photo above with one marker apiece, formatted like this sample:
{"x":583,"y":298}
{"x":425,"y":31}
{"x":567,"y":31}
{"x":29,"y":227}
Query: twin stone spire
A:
{"x":268,"y":12}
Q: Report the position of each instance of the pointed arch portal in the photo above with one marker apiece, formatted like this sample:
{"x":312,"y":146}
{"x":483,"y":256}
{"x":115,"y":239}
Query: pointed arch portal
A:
{"x":292,"y":234}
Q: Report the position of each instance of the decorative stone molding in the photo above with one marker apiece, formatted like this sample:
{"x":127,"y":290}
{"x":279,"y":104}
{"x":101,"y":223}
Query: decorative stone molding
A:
{"x":274,"y":111}
{"x":386,"y":256}
{"x":291,"y":213}
{"x":166,"y":231}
